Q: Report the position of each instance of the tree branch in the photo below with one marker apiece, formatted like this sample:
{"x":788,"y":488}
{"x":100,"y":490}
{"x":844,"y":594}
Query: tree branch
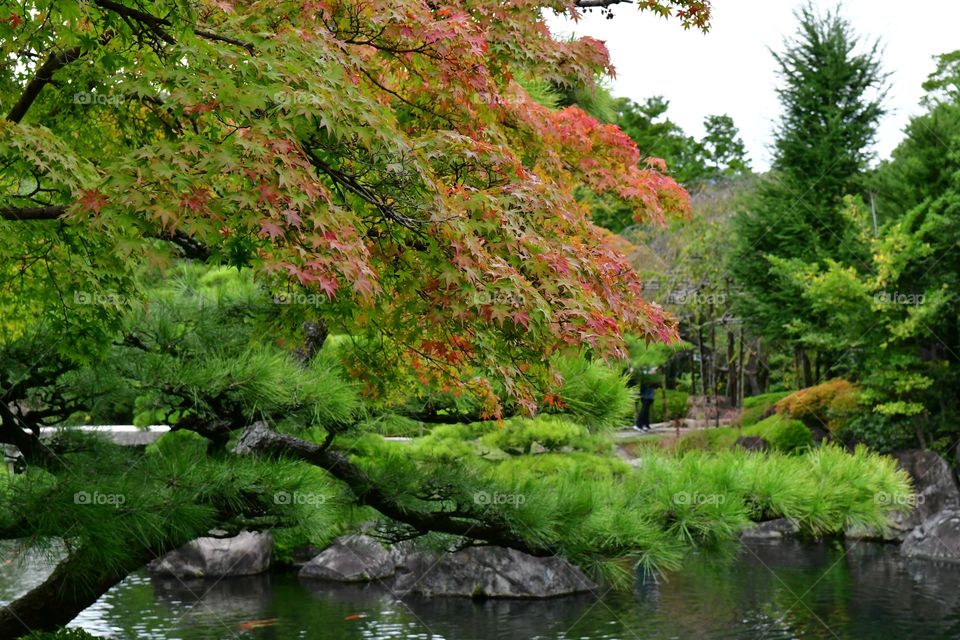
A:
{"x":49,"y":212}
{"x":260,"y":439}
{"x":157,"y":25}
{"x":55,"y":61}
{"x":590,"y":4}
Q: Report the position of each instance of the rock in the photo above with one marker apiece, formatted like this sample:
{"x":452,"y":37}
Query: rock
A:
{"x":303,"y":554}
{"x":355,"y":558}
{"x":771,"y":530}
{"x":935,"y":489}
{"x":246,"y":554}
{"x":490,"y":572}
{"x":752,"y":443}
{"x":937,"y":538}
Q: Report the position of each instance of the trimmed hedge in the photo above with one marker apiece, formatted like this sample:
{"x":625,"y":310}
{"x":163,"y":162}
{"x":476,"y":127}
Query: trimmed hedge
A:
{"x":755,"y":408}
{"x":831,"y":405}
{"x":784,"y":434}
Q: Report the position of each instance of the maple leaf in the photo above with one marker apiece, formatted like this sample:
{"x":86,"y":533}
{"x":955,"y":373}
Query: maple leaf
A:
{"x":92,"y":200}
{"x":272,"y":229}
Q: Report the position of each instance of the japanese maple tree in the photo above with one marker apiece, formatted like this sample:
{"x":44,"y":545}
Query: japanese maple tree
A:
{"x":381,"y":155}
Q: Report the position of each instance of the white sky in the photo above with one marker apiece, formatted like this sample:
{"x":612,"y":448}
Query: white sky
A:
{"x":730,"y":70}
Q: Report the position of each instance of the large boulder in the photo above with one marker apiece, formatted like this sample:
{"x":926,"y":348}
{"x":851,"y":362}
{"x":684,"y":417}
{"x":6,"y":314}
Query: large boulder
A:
{"x":489,"y":572}
{"x":938,"y":537}
{"x":246,"y":554}
{"x":355,"y":558}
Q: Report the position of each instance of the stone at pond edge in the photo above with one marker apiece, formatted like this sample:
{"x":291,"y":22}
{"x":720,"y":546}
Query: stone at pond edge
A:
{"x":245,"y":554}
{"x":354,"y":558}
{"x":935,"y":488}
{"x":937,"y":538}
{"x":771,"y":530}
{"x":491,"y":572}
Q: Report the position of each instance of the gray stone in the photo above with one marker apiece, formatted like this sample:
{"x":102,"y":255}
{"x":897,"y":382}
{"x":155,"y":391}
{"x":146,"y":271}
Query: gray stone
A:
{"x":937,"y":538}
{"x":490,"y":572}
{"x":751,"y":443}
{"x":771,"y":530}
{"x":935,"y":490}
{"x":246,"y":554}
{"x":355,"y":558}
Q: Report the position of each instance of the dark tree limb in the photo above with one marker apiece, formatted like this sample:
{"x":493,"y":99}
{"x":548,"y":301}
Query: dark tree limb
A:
{"x":260,"y":439}
{"x":23,"y":214}
{"x":14,"y":431}
{"x":54,"y":62}
{"x":158,"y":26}
{"x":591,"y":4}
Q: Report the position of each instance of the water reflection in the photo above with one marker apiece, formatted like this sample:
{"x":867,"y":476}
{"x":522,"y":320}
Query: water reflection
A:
{"x":772,"y":590}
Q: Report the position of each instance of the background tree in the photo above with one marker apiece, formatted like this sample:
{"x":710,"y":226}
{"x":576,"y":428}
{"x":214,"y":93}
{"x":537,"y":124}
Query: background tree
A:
{"x":831,"y":93}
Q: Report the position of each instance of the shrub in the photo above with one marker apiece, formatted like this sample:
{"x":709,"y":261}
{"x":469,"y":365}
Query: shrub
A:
{"x":830,"y":405}
{"x":756,"y":408}
{"x":675,"y":409}
{"x":784,"y":434}
{"x":519,"y":435}
{"x":391,"y":424}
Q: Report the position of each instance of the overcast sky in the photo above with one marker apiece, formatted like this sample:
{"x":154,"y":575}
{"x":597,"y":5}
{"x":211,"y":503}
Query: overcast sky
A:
{"x":730,"y":69}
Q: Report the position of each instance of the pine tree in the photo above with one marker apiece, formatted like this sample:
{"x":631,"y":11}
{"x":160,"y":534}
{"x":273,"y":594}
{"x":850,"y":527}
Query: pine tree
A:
{"x":832,"y":91}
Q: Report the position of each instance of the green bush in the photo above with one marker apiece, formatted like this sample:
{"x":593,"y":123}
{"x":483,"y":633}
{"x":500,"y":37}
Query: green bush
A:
{"x":784,"y":434}
{"x":764,"y":399}
{"x":676,"y":406}
{"x":830,"y":405}
{"x":755,"y":407}
{"x":518,"y":435}
{"x":391,"y":424}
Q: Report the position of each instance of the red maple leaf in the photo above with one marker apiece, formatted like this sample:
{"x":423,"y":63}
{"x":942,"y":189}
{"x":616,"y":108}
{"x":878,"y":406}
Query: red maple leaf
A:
{"x":93,"y":200}
{"x":272,"y":229}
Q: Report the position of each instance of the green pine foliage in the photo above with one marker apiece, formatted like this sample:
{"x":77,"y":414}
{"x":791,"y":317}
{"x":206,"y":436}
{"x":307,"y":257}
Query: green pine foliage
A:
{"x":831,"y":93}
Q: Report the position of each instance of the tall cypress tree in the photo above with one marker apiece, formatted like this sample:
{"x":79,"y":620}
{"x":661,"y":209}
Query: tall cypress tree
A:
{"x":831,"y":92}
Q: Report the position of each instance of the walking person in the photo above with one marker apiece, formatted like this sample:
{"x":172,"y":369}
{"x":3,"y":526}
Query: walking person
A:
{"x":646,"y":403}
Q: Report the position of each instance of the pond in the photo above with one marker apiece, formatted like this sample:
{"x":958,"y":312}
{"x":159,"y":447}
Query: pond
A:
{"x":771,"y":590}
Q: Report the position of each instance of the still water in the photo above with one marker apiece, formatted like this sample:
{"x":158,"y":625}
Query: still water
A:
{"x":769,"y":590}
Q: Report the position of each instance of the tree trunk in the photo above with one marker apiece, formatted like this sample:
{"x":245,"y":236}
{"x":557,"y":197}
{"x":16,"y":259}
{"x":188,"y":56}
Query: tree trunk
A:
{"x":732,"y":378}
{"x":807,"y":371}
{"x":62,"y":596}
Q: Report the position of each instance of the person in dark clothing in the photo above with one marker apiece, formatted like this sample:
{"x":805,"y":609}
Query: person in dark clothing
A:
{"x":646,"y":402}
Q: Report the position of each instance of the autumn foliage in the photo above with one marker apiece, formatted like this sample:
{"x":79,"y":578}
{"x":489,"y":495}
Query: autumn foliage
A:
{"x":382,"y":155}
